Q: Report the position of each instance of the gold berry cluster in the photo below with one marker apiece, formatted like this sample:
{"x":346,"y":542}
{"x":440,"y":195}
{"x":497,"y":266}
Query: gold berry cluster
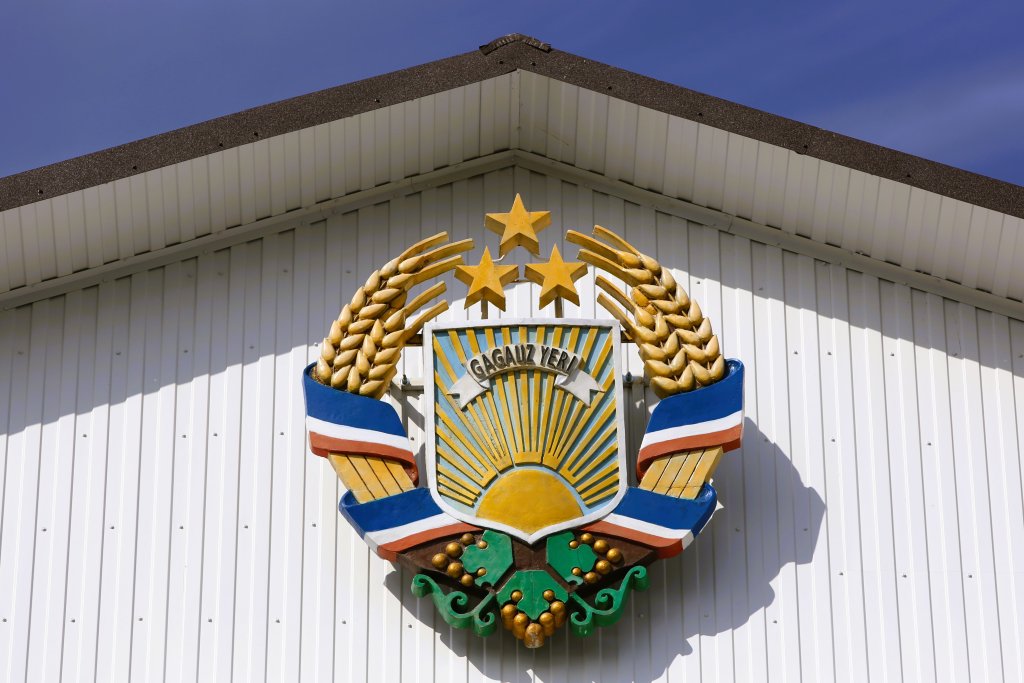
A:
{"x":609,"y":557}
{"x":448,"y":561}
{"x":533,"y":633}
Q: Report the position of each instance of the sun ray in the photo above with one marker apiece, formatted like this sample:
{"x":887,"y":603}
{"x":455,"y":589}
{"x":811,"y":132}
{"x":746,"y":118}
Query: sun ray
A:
{"x":474,"y":346}
{"x":549,"y":381}
{"x":573,"y":461}
{"x":611,"y":471}
{"x":561,"y":399}
{"x":470,"y":440}
{"x":493,"y":448}
{"x":452,"y":436}
{"x":523,"y":377}
{"x":535,"y":399}
{"x":587,"y":462}
{"x":508,"y":405}
{"x":578,"y":421}
{"x":468,"y":502}
{"x":477,"y":435}
{"x":509,"y":387}
{"x":495,"y":437}
{"x":552,"y":458}
{"x":454,"y":481}
{"x":605,"y":490}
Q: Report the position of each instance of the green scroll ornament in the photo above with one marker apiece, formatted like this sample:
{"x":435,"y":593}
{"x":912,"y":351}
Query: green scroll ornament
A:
{"x":609,"y":603}
{"x":452,"y":606}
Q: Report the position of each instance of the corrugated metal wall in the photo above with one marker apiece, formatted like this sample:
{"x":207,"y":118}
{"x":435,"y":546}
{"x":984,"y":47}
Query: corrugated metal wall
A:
{"x":162,"y":520}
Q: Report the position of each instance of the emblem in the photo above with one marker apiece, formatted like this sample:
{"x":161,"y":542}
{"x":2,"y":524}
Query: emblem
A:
{"x":525,"y":515}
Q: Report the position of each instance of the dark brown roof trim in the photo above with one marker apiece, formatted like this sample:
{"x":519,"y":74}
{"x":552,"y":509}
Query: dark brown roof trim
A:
{"x":498,"y":57}
{"x":514,"y":38}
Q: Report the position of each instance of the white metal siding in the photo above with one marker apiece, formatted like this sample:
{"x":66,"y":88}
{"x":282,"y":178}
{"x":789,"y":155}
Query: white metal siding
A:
{"x":162,"y":520}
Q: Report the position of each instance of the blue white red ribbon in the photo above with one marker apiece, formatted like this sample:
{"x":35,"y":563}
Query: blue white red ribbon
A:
{"x":663,"y":523}
{"x":393,"y":524}
{"x":340,"y":422}
{"x":706,"y":418}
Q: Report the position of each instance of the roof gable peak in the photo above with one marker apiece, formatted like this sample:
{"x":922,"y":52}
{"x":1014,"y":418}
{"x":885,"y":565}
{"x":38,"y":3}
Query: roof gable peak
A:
{"x":501,"y":42}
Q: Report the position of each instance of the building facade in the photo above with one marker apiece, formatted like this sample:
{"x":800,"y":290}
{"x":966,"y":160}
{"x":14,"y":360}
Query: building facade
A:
{"x":161,"y":516}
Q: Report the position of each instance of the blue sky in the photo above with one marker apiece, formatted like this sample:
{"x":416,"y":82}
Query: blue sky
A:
{"x":938,"y":79}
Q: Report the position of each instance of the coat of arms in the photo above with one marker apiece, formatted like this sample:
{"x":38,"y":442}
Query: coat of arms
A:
{"x":521,"y":511}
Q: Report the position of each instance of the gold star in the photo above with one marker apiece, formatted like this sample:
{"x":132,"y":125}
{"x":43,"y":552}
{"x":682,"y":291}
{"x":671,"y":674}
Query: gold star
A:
{"x":518,"y":227}
{"x":556,"y":278}
{"x":486,"y":280}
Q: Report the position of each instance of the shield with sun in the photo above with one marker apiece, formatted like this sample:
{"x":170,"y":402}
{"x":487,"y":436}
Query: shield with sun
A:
{"x":524,"y":429}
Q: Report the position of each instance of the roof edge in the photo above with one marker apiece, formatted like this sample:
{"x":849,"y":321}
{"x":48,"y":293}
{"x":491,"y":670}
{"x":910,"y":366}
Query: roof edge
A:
{"x":233,"y":130}
{"x":500,"y":56}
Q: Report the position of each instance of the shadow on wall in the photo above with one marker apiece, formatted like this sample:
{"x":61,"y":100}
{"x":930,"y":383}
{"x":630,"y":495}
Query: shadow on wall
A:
{"x":721,"y":583}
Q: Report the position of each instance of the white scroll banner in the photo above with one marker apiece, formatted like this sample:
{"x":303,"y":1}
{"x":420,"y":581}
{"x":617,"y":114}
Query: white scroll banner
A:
{"x":511,"y":357}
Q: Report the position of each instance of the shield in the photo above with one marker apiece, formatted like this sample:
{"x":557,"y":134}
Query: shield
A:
{"x":524,"y":426}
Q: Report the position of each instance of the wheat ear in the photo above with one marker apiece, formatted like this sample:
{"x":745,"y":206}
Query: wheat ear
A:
{"x":675,"y":340}
{"x":361,"y":352}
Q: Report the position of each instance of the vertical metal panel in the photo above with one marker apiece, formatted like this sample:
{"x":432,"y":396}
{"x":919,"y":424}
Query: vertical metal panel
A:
{"x":162,"y":520}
